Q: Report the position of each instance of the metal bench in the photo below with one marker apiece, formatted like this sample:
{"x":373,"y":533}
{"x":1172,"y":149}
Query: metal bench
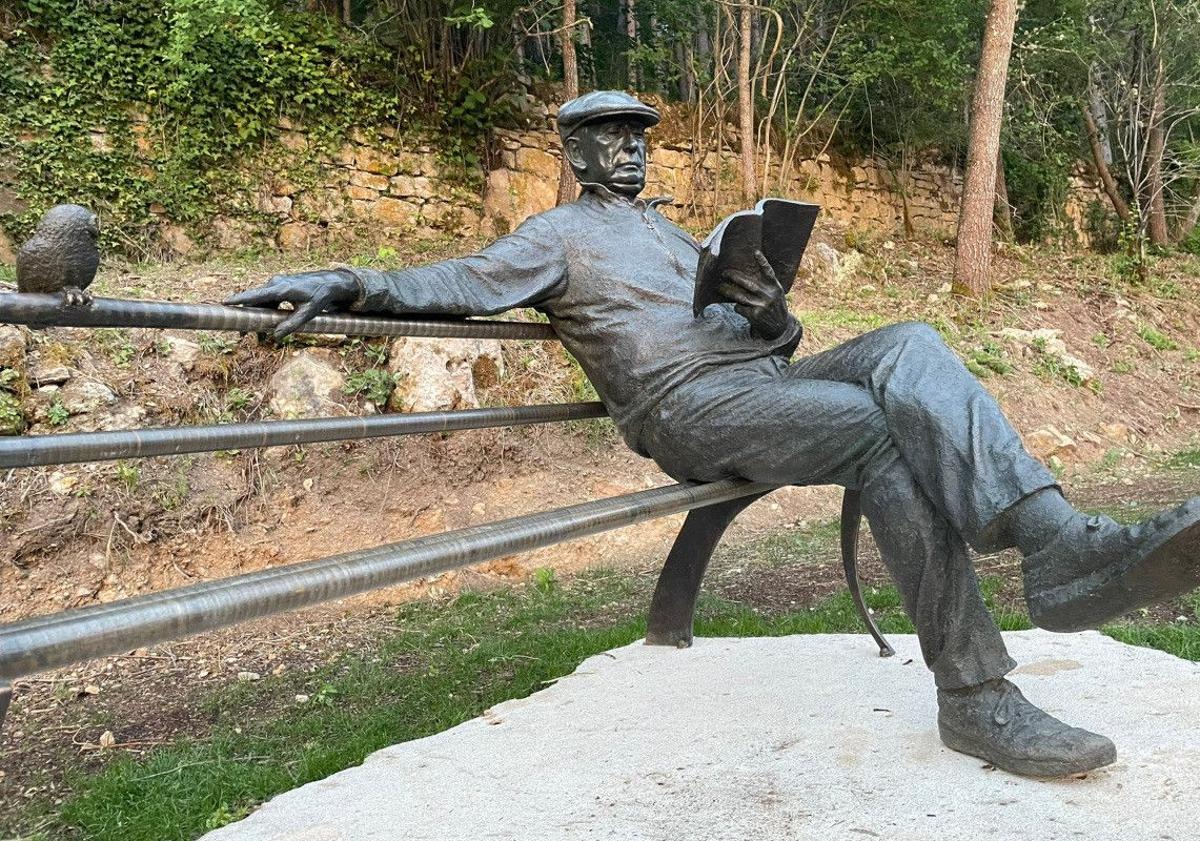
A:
{"x":72,"y":636}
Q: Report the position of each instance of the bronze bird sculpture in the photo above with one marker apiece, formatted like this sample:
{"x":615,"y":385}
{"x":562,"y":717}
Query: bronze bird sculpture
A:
{"x":62,"y":255}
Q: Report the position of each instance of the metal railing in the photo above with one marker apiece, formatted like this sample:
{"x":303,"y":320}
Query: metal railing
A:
{"x":47,"y":642}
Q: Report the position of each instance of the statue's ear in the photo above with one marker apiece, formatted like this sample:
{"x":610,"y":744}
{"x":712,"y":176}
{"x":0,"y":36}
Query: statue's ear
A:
{"x":574,"y":155}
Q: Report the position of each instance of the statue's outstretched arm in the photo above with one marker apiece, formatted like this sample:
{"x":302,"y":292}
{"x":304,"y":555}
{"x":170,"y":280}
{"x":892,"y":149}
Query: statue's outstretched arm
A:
{"x":521,"y":269}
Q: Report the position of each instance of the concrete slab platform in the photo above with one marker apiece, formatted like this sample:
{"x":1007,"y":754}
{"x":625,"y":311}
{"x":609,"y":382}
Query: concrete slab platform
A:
{"x":806,"y":737}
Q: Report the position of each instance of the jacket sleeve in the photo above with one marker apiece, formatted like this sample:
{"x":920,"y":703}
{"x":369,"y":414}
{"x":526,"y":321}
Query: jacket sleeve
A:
{"x":521,"y":269}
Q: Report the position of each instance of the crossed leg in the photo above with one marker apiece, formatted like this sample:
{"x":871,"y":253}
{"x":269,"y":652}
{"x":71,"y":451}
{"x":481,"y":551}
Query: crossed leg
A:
{"x":895,"y":415}
{"x":772,"y":423}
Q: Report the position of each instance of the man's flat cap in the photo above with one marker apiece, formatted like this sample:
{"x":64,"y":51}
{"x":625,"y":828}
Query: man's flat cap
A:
{"x":603,"y":105}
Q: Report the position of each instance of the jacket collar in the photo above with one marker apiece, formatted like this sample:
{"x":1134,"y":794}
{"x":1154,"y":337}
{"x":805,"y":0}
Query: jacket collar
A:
{"x":607,"y":195}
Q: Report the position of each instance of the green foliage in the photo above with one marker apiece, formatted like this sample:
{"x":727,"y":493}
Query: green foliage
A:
{"x":989,"y":358}
{"x":132,"y":104}
{"x":57,"y":413}
{"x":12,"y":418}
{"x":129,"y":475}
{"x":1156,"y":340}
{"x":1190,"y":243}
{"x":215,"y":345}
{"x":375,"y":384}
{"x":237,"y":398}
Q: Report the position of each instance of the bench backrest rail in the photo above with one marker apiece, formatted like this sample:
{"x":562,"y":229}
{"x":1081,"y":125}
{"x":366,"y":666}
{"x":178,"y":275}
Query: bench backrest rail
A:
{"x":47,"y":310}
{"x":68,"y":448}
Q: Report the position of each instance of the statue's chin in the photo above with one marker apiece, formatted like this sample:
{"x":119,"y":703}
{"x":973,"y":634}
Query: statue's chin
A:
{"x":627,"y":187}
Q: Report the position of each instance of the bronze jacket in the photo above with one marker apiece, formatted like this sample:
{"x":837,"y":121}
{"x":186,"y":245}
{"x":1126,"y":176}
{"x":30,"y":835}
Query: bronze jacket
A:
{"x":614,"y":277}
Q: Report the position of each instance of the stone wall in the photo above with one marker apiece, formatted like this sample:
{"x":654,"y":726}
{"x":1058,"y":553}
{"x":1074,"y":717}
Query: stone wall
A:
{"x":377,"y":187}
{"x":862,"y":194}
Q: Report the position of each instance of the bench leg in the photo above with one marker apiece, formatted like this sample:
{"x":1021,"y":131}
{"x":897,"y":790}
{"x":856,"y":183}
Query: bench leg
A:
{"x":851,"y":521}
{"x":5,"y":697}
{"x":673,"y":606}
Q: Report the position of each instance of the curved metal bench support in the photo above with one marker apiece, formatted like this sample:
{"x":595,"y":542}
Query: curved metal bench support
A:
{"x":673,"y":606}
{"x":851,"y":522}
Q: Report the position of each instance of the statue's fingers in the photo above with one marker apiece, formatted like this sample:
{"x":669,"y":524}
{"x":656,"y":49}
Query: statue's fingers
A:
{"x":737,"y":294}
{"x":764,"y":266}
{"x":262,"y":296}
{"x":753,"y":283}
{"x":299,"y":318}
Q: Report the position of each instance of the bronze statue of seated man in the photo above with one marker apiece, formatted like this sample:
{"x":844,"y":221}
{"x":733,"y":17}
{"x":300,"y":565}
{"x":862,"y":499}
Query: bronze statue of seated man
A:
{"x":892,"y":413}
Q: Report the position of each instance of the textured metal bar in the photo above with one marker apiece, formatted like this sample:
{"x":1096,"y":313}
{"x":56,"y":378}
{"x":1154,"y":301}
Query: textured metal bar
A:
{"x":5,"y":698}
{"x":48,"y":311}
{"x":36,"y":450}
{"x":48,"y":642}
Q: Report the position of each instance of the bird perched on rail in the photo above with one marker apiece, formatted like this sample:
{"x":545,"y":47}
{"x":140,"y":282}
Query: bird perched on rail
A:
{"x":62,"y":255}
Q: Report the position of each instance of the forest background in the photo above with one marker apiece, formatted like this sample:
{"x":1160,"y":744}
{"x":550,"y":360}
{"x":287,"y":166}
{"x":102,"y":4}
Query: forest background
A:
{"x":180,"y":89}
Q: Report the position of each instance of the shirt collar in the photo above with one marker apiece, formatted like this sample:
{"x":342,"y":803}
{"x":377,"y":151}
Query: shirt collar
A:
{"x":606,"y":194}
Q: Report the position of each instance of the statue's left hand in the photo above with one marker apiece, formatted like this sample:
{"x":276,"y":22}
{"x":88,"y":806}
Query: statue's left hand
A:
{"x":757,"y":297}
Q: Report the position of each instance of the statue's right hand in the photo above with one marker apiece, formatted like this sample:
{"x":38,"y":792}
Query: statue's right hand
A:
{"x":309,"y":293}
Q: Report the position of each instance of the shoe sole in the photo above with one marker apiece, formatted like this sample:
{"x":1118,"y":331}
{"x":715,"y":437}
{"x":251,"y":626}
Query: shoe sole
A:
{"x":1166,"y":571}
{"x":1023,"y":766}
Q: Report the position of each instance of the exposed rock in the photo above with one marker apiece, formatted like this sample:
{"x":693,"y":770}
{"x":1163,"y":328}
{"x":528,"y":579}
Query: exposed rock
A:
{"x":413,"y":186}
{"x":823,"y":262}
{"x":437,"y":374}
{"x":371,"y":180}
{"x":62,"y":483}
{"x":307,"y":385}
{"x":293,"y":140}
{"x":295,"y":236}
{"x":539,"y":163}
{"x":1116,"y":431}
{"x":376,"y":160}
{"x":234,"y":233}
{"x":1049,"y":442}
{"x":177,"y":240}
{"x":344,"y":156}
{"x":44,"y":374}
{"x":181,"y":351}
{"x":509,"y":198}
{"x":12,"y":348}
{"x":1048,"y":342}
{"x":81,"y":397}
{"x":8,"y":254}
{"x":279,"y":205}
{"x":394,"y":213}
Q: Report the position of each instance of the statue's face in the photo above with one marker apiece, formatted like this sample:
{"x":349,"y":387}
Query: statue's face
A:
{"x":610,"y":152}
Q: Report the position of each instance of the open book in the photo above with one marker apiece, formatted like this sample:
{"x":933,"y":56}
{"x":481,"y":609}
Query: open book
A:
{"x":779,"y":228}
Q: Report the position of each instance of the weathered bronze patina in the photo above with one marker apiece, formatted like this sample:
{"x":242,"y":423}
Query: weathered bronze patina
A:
{"x":892,"y":415}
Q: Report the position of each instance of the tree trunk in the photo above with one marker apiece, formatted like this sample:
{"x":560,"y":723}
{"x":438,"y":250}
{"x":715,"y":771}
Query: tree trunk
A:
{"x":745,"y":102}
{"x":566,"y":176}
{"x":973,"y":254}
{"x":631,"y":32}
{"x":347,"y":12}
{"x":1156,"y":142}
{"x":1101,"y":161}
{"x":1003,"y":210}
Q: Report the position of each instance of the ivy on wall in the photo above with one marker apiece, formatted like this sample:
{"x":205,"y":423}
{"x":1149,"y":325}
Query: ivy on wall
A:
{"x":139,"y":108}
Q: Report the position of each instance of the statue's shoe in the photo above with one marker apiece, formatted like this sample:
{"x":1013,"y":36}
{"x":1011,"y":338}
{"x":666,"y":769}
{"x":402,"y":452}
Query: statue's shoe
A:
{"x":995,"y":722}
{"x":1095,"y":569}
